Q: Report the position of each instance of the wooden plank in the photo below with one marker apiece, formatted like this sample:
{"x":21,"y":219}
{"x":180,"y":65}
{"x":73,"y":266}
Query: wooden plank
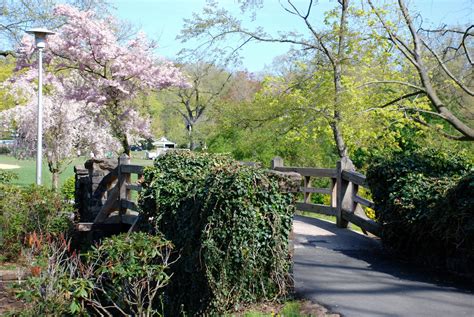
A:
{"x":325,"y":191}
{"x":354,"y":177}
{"x":129,"y":168}
{"x":116,"y":219}
{"x":84,"y":226}
{"x":105,"y":183}
{"x":114,"y":226}
{"x":124,"y":178}
{"x":110,"y":205}
{"x":135,"y":187}
{"x":363,"y":201}
{"x":366,"y":224}
{"x":133,"y":226}
{"x":317,"y":208}
{"x":307,"y":195}
{"x":309,"y":171}
{"x":127,"y":204}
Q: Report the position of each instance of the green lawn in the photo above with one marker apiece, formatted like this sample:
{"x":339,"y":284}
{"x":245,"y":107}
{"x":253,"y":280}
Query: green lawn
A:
{"x":27,"y":171}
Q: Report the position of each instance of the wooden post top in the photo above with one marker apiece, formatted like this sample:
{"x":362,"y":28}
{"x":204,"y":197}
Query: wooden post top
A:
{"x":277,"y":162}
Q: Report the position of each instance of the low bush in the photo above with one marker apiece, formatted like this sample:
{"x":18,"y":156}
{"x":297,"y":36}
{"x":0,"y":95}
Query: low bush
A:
{"x":68,"y":189}
{"x":230,"y":225}
{"x":425,"y":203}
{"x":27,"y":210}
{"x":130,"y":272}
{"x":5,"y":150}
{"x":6,"y":177}
{"x":123,"y":276}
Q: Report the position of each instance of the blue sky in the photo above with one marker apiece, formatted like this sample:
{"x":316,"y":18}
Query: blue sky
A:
{"x":162,"y":20}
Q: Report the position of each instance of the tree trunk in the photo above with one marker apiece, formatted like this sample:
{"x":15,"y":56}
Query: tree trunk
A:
{"x":191,"y":143}
{"x":54,"y":169}
{"x":54,"y":180}
{"x":338,"y":87}
{"x":340,"y":144}
{"x":125,"y":144}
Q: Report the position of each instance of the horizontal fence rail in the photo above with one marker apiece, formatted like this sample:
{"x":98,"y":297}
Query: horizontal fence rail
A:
{"x":119,"y":206}
{"x":345,"y":202}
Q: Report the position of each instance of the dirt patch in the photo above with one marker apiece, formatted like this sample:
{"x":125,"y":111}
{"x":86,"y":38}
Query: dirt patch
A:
{"x":312,"y":309}
{"x":8,"y":166}
{"x":8,"y":302}
{"x":307,"y":308}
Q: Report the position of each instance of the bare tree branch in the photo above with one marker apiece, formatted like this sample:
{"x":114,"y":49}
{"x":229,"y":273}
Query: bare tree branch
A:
{"x":447,"y":71}
{"x":398,"y":82}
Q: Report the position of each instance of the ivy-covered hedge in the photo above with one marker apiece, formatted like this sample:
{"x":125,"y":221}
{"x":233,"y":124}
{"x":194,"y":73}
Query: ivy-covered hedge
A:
{"x":230,"y":225}
{"x":425,"y":202}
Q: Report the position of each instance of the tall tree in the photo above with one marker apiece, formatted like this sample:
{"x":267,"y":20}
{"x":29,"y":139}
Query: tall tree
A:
{"x":207,"y":85}
{"x":68,"y":127}
{"x":95,"y":67}
{"x":18,"y":16}
{"x":434,"y":62}
{"x":330,"y":44}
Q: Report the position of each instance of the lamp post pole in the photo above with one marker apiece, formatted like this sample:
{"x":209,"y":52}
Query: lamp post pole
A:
{"x":39,"y":146}
{"x":40,"y":40}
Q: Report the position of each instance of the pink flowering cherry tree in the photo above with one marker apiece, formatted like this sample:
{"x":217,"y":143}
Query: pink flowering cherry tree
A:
{"x":95,"y":67}
{"x":68,"y":127}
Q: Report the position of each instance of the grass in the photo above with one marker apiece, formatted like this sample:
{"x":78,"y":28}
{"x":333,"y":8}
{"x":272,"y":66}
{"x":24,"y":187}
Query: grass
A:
{"x":27,"y":171}
{"x":288,"y":309}
{"x":8,"y":266}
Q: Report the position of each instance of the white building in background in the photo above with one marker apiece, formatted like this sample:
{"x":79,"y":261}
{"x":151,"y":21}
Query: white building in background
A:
{"x":161,"y":146}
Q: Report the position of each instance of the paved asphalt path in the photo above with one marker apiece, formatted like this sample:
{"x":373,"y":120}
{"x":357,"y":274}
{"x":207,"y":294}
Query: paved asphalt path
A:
{"x":350,"y":274}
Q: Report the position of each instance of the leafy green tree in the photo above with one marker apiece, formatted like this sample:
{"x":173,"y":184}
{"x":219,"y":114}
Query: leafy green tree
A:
{"x":330,"y":44}
{"x":208,"y":83}
{"x":443,"y":70}
{"x":7,"y":65}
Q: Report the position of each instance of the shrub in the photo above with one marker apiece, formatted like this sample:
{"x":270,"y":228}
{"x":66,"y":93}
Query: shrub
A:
{"x":27,"y":210}
{"x":425,"y":204}
{"x":123,"y":276}
{"x":4,"y":150}
{"x":230,"y":224}
{"x":6,"y":177}
{"x":68,"y":189}
{"x":59,"y":283}
{"x":130,"y":272}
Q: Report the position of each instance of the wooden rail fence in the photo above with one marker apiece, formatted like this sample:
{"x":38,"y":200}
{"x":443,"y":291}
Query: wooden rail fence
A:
{"x":345,"y":203}
{"x":117,"y":187}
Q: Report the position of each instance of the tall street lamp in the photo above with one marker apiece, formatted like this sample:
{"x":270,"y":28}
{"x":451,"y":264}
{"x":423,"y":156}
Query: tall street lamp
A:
{"x":40,"y":41}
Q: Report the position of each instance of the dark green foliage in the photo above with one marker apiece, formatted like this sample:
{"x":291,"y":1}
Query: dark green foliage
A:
{"x":27,"y":210}
{"x":4,"y":150}
{"x":6,"y":177}
{"x":230,"y":225}
{"x":425,"y":203}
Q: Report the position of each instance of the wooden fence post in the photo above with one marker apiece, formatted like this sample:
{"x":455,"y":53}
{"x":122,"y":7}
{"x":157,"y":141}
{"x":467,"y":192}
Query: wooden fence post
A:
{"x":307,"y":184}
{"x":277,"y":162}
{"x":334,"y":192}
{"x":123,"y":180}
{"x":344,"y":192}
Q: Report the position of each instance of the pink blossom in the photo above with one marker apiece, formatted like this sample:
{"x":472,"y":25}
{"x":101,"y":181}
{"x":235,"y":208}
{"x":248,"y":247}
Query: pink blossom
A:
{"x":86,"y":62}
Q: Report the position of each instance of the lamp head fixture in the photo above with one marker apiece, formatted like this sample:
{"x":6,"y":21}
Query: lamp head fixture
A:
{"x":40,"y":36}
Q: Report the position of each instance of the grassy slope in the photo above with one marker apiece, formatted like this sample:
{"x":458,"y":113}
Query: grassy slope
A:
{"x":27,"y":170}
